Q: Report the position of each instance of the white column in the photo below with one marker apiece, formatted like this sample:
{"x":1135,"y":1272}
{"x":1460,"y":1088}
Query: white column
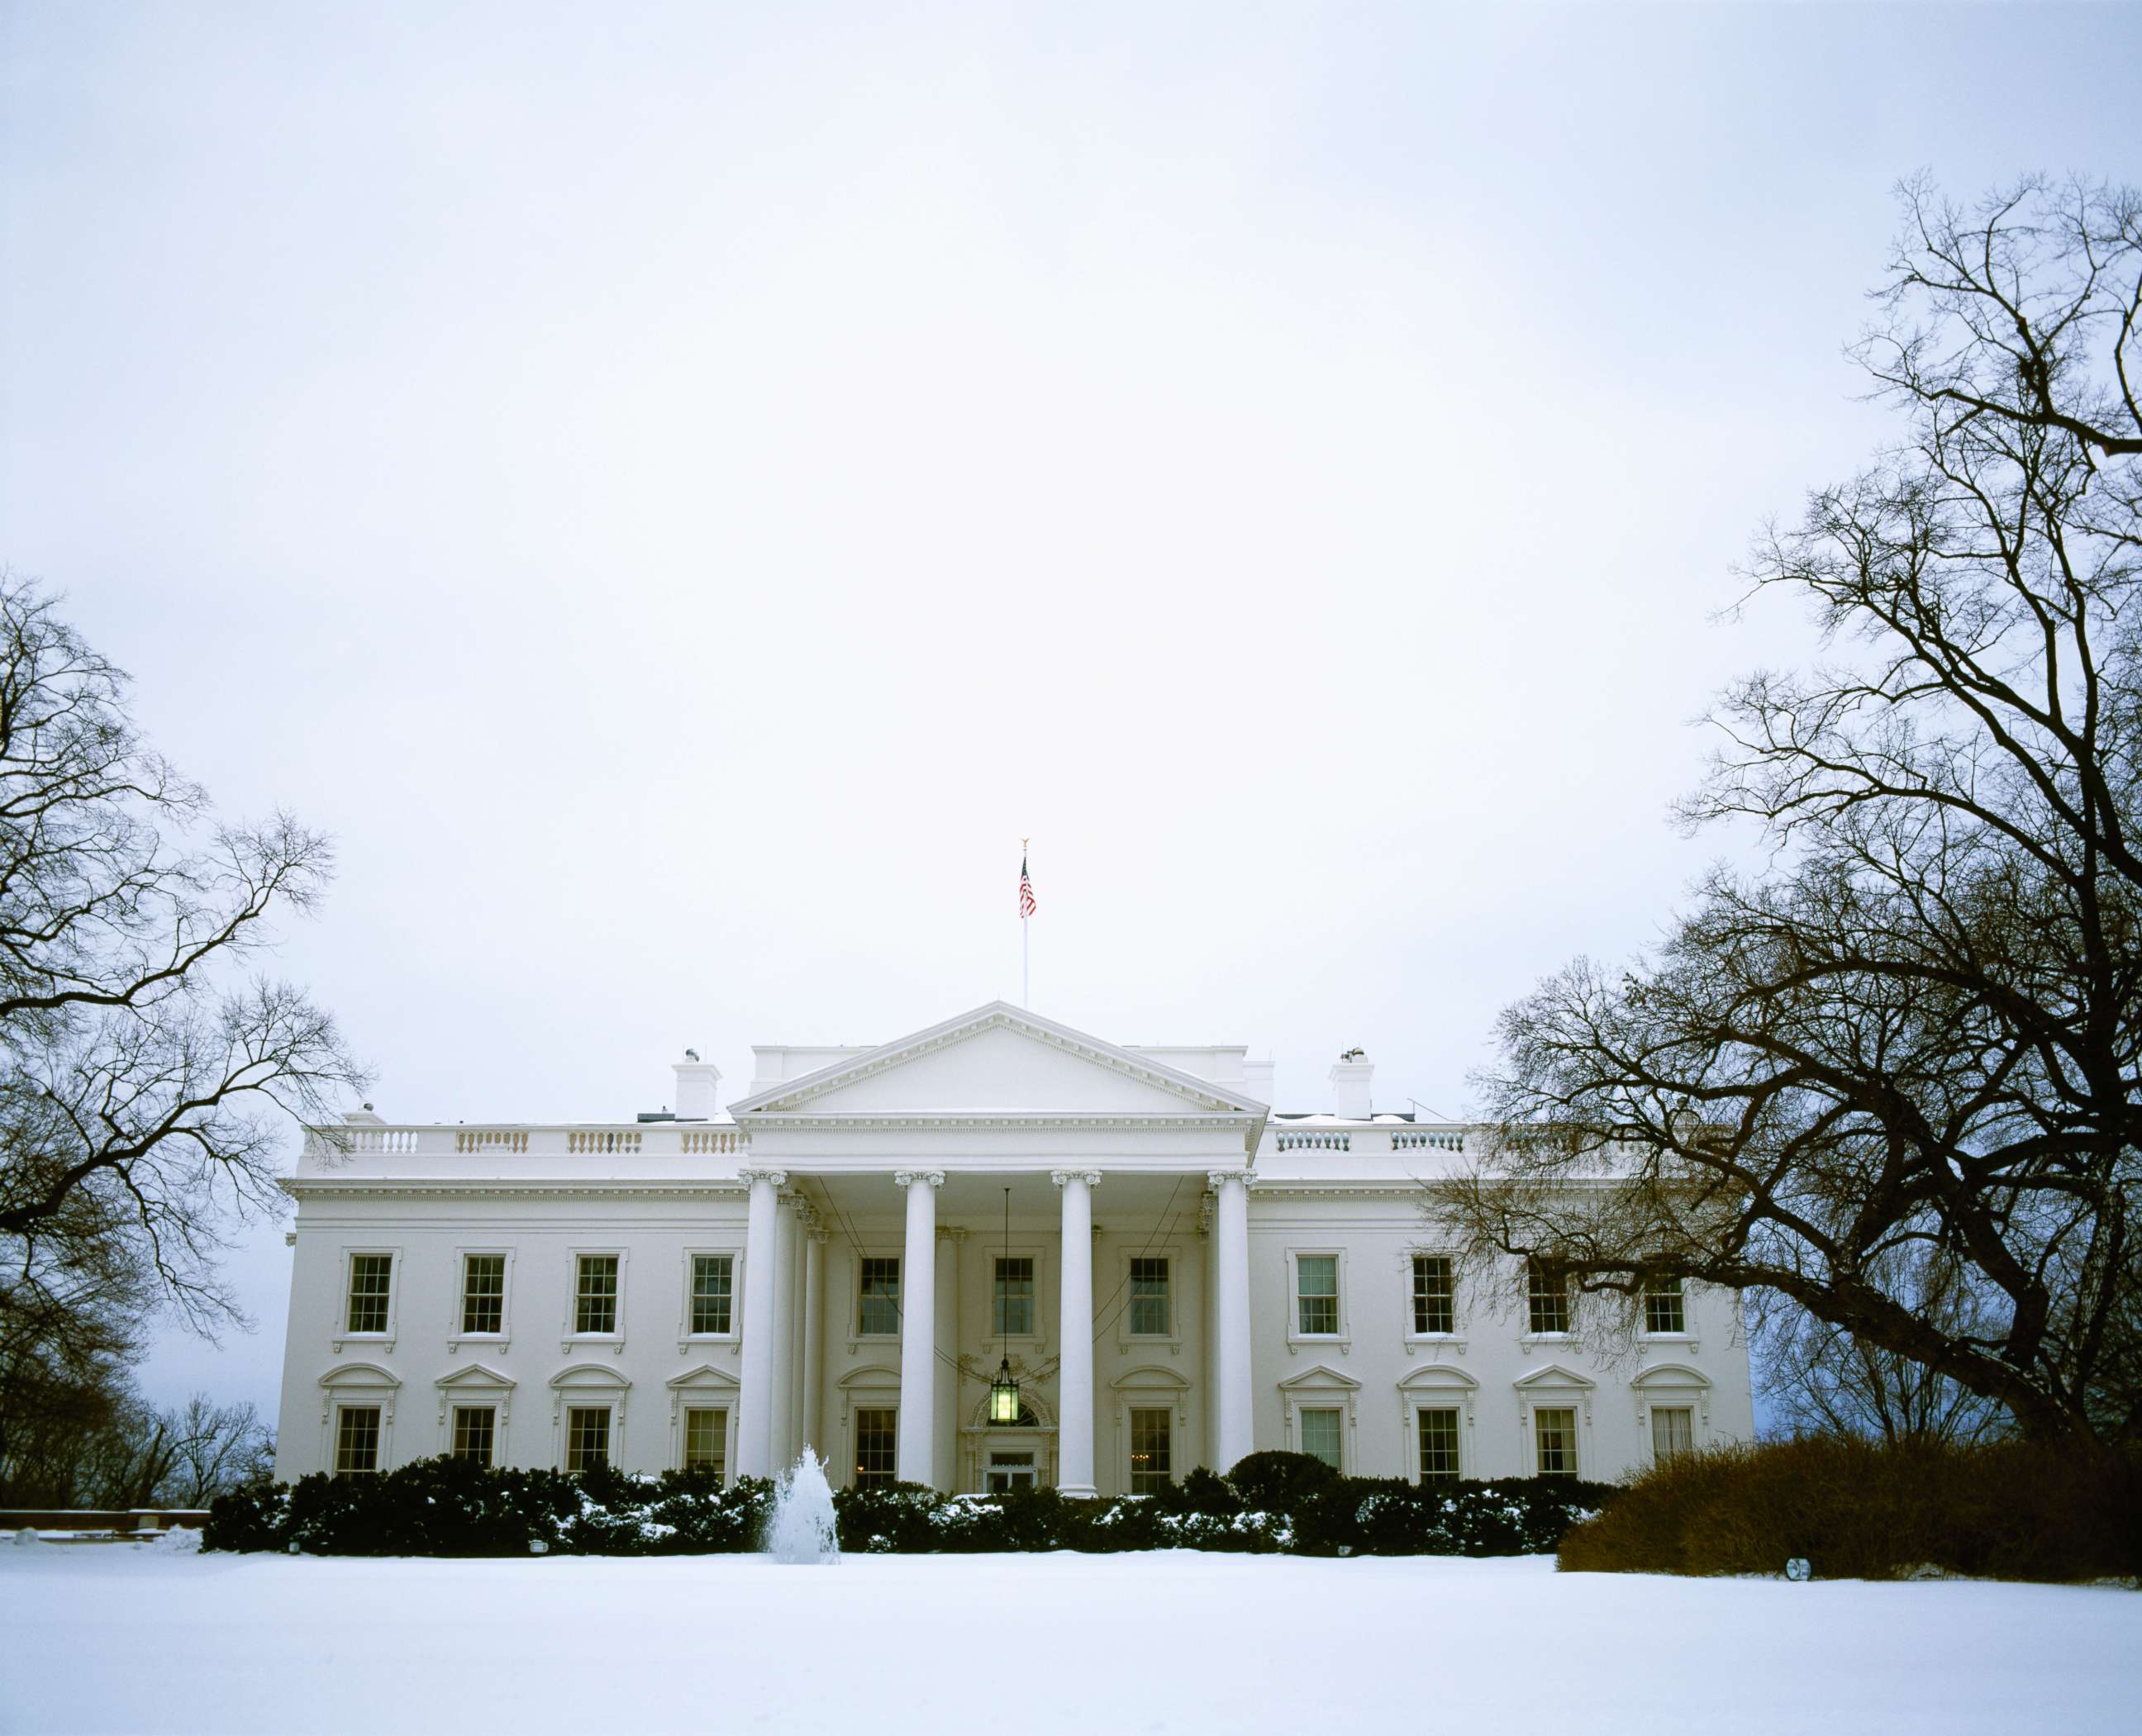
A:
{"x":915,"y":1461}
{"x":814,"y":1339}
{"x":950,"y":1394}
{"x":755,"y":1403}
{"x":784,"y":1377}
{"x":1075,"y":1365}
{"x":1231,"y":1252}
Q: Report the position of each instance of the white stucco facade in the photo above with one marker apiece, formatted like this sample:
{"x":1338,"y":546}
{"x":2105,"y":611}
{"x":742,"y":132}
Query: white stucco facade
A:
{"x":1186,"y":1276}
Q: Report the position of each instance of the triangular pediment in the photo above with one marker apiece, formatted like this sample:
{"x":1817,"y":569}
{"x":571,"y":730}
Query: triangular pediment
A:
{"x":997,"y":1060}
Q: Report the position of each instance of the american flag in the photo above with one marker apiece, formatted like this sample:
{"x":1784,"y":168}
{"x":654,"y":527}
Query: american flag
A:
{"x":1025,"y":892}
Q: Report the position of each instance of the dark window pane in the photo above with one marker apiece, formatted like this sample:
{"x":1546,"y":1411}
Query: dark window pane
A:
{"x":876,"y":1448}
{"x":483,"y":1293}
{"x":712,"y":1274}
{"x":1433,"y":1295}
{"x":371,"y":1278}
{"x":1014,"y":1297}
{"x":1149,"y":1298}
{"x":595,"y":1303}
{"x":879,"y":1316}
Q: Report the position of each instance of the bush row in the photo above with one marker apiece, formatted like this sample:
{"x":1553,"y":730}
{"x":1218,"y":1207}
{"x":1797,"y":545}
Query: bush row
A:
{"x":1271,"y":1503}
{"x":1863,"y":1509}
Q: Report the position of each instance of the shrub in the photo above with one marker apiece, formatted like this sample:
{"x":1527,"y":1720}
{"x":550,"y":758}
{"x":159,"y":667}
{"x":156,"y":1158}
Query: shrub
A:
{"x":1863,"y":1510}
{"x":1281,"y":1483}
{"x":445,"y":1507}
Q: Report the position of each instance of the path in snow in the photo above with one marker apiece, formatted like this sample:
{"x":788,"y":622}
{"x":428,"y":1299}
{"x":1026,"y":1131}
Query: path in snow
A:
{"x":114,"y":1638}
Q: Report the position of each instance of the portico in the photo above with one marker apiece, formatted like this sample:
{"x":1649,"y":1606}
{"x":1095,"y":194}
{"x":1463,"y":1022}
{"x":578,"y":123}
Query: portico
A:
{"x":999,"y":1113}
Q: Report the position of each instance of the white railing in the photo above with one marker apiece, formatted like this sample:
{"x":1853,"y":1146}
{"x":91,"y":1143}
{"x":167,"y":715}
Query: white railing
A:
{"x":1412,"y":1139}
{"x":1316,"y":1141}
{"x":608,"y":1140}
{"x":658,"y":1140}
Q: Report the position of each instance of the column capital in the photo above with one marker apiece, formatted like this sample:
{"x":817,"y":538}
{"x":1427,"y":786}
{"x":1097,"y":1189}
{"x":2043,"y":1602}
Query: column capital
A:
{"x":1092,"y":1178}
{"x":1217,"y":1179}
{"x":951,"y":1233}
{"x":908,"y":1178}
{"x":755,"y":1172}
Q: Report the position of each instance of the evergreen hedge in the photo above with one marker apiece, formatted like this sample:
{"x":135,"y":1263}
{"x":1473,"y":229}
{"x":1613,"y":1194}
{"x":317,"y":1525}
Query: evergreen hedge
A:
{"x":1271,"y":1503}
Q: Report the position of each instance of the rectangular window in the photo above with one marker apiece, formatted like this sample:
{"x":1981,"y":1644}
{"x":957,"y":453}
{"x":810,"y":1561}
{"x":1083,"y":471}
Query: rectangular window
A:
{"x":1432,"y":1295}
{"x":1014,"y":1297}
{"x":706,"y":1441}
{"x":1557,"y":1433}
{"x":371,"y":1276}
{"x":1321,"y":1436}
{"x":1673,"y":1430}
{"x":483,"y":1293}
{"x":595,"y":1298}
{"x":587,"y":1437}
{"x":713,"y":1284}
{"x":879,"y":1316}
{"x":1152,"y":1457}
{"x":356,"y":1440}
{"x":1009,"y":1470}
{"x":1149,"y":1299}
{"x":1316,"y":1294}
{"x":1439,"y":1445}
{"x":876,"y":1443}
{"x":1662,"y":1307}
{"x":475,"y":1430}
{"x":1548,"y":1294}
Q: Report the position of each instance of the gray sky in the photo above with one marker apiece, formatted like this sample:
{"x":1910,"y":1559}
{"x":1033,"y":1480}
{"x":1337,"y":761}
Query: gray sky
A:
{"x":679,"y":492}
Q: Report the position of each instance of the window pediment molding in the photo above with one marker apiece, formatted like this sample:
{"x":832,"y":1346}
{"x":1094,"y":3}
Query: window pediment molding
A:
{"x":1149,"y":1377}
{"x":1554,"y":1376}
{"x":477,"y":1376}
{"x":1670,"y":1376}
{"x":870,"y":1376}
{"x":705,"y":1377}
{"x":1438,"y":1378}
{"x":360,"y":1374}
{"x":1322,"y":1379}
{"x":589,"y":1376}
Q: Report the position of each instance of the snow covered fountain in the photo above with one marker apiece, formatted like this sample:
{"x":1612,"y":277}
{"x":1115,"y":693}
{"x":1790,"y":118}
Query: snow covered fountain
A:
{"x":801,"y":1531}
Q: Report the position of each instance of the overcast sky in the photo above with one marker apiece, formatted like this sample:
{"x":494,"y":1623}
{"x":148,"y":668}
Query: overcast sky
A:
{"x":680,"y":492}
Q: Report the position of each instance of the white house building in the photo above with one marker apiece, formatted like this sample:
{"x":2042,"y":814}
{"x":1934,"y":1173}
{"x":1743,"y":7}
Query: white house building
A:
{"x":1174,"y":1274}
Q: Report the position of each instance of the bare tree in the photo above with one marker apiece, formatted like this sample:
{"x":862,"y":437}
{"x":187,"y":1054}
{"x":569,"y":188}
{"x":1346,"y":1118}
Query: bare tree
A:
{"x":1914,"y":1034}
{"x":215,"y":1448}
{"x":147,"y":1074}
{"x":1820,"y":1379}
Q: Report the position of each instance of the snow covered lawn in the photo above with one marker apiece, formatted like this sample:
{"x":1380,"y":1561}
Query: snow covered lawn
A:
{"x":112,"y":1638}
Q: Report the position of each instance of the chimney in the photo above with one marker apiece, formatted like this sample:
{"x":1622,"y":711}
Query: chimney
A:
{"x":1257,"y":1080}
{"x":1349,"y":1077}
{"x":696,"y":1080}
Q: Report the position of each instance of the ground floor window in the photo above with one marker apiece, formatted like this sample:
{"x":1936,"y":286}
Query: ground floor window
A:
{"x":1439,"y":1445}
{"x":706,"y":1441}
{"x":1008,"y":1471}
{"x":1673,"y":1430}
{"x":357,"y":1439}
{"x":876,"y":1448}
{"x":587,"y":1437}
{"x":1153,"y":1455}
{"x":1556,"y":1432}
{"x":475,"y":1431}
{"x":1321,"y":1436}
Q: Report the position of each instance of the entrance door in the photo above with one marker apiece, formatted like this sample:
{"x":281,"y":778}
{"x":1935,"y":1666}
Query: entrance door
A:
{"x":1008,"y":1471}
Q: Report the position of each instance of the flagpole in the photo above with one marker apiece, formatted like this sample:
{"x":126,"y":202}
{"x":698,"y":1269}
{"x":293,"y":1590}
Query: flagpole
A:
{"x":1026,"y":898}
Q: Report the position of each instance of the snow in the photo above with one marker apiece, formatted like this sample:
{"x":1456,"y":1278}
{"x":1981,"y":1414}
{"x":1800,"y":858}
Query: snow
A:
{"x":140,"y":1638}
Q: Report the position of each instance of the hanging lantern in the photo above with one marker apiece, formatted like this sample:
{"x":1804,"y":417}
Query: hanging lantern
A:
{"x":1004,"y":1396}
{"x":1004,"y":1390}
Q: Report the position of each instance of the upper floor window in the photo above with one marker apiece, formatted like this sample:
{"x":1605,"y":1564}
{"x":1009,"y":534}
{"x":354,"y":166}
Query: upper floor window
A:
{"x":1433,"y":1295}
{"x":1149,"y":1298}
{"x":1663,"y":1312}
{"x":878,"y":1315}
{"x":483,"y":1292}
{"x":1014,"y":1297}
{"x":371,"y":1277}
{"x":595,"y":1297}
{"x":357,"y":1439}
{"x":1547,"y":1295}
{"x":1316,"y":1294}
{"x":712,"y":1290}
